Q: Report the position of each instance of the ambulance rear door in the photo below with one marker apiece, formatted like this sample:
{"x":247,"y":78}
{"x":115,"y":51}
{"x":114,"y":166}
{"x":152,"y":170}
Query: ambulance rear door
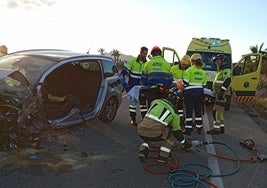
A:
{"x":170,"y":55}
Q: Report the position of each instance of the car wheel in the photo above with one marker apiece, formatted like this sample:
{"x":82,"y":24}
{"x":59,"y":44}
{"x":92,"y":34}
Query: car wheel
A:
{"x":109,"y":111}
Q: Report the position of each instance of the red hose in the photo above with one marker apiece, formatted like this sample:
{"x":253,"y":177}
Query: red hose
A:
{"x":168,"y":166}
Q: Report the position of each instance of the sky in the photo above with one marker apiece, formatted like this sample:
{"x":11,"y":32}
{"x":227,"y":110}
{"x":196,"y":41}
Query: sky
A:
{"x":126,"y":25}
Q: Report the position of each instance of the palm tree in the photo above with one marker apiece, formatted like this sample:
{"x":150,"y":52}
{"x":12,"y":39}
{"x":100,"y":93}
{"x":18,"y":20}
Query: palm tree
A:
{"x":101,"y":51}
{"x":256,"y":49}
{"x":116,"y":53}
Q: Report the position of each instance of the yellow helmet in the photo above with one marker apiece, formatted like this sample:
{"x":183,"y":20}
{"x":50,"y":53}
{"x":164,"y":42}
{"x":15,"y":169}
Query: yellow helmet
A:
{"x":196,"y":57}
{"x":186,"y":60}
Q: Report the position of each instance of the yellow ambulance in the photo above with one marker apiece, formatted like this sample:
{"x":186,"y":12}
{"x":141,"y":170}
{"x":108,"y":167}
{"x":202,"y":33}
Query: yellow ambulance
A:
{"x":208,"y":48}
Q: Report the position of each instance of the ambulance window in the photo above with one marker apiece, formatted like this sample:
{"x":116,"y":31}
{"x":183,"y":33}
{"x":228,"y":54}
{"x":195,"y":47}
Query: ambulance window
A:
{"x":251,"y":64}
{"x":248,"y":64}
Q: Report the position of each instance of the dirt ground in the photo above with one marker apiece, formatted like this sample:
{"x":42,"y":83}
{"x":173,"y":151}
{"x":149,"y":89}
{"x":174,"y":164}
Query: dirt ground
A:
{"x":258,"y":108}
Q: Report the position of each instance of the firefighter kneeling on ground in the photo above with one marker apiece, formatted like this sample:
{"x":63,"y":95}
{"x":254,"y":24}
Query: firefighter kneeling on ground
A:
{"x":221,"y":87}
{"x":162,"y":123}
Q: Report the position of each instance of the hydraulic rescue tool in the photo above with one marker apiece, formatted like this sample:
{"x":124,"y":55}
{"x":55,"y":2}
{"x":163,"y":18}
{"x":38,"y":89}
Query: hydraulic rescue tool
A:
{"x":249,"y":143}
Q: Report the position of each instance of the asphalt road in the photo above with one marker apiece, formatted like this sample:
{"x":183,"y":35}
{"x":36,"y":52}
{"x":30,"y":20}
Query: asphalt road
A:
{"x":105,"y":155}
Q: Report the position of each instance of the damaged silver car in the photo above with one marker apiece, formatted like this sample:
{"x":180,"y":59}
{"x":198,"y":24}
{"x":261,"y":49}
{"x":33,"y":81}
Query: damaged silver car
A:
{"x":57,"y":88}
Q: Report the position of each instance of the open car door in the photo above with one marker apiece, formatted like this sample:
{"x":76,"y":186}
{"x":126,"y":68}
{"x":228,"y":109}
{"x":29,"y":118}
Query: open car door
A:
{"x":246,"y":74}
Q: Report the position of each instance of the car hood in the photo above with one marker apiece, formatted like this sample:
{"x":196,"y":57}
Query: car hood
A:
{"x":16,"y":75}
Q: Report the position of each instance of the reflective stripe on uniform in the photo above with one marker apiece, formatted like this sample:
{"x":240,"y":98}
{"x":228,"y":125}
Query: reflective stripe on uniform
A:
{"x":198,"y":118}
{"x":143,"y":110}
{"x":132,"y":108}
{"x":222,"y":125}
{"x":136,"y":72}
{"x":188,"y":119}
{"x":165,"y":149}
{"x":219,"y":81}
{"x":135,"y":76}
{"x":156,"y":119}
{"x":216,"y":126}
{"x":145,"y":145}
{"x":195,"y":84}
{"x":199,"y":126}
{"x":193,"y":87}
{"x":183,"y":141}
{"x":188,"y":126}
{"x":164,"y":115}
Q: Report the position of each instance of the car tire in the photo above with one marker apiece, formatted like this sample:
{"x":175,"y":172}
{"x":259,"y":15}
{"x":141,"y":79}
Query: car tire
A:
{"x":110,"y":110}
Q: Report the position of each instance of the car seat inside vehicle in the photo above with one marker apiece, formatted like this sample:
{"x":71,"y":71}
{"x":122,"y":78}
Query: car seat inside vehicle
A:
{"x":72,"y":85}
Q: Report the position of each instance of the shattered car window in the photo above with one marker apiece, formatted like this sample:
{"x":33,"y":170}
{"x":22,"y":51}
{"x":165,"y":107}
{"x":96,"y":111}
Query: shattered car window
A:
{"x":11,"y":86}
{"x":90,"y":65}
{"x":31,"y":67}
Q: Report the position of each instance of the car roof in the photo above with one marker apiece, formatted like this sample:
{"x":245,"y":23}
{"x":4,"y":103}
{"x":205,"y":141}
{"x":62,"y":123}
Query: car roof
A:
{"x":56,"y":54}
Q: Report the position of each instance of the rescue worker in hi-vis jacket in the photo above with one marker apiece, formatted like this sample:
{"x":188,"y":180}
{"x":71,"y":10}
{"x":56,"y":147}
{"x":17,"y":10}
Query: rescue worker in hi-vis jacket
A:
{"x":194,"y":81}
{"x":134,"y":69}
{"x":162,"y":123}
{"x":221,"y":87}
{"x":156,"y":76}
{"x":178,"y":70}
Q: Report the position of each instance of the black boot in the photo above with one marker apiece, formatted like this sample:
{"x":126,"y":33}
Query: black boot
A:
{"x":133,"y":123}
{"x":143,"y":114}
{"x":222,"y":130}
{"x":133,"y":120}
{"x":143,"y":155}
{"x":187,"y":131}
